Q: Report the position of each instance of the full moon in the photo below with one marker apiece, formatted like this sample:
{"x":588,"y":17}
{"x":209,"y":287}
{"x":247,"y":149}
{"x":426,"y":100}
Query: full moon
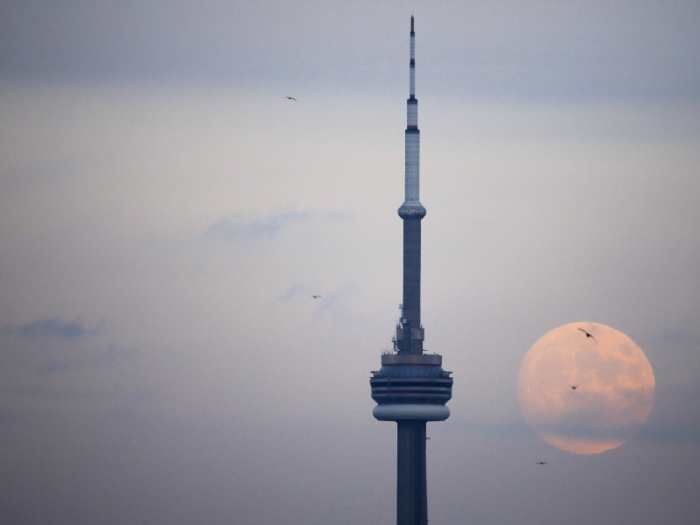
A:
{"x":585,"y":388}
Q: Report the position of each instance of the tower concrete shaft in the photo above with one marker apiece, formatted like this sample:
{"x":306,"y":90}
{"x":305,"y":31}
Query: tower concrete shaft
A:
{"x":411,"y":479}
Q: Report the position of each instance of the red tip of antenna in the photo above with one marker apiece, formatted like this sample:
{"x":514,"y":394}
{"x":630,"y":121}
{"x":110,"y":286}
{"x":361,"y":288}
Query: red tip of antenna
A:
{"x":411,"y":23}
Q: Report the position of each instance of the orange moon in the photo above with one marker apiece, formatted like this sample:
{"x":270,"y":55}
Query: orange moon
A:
{"x":585,"y":388}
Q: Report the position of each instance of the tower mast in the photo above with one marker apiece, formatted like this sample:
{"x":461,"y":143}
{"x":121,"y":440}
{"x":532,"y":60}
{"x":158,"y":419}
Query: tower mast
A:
{"x":411,"y":387}
{"x":409,"y":336}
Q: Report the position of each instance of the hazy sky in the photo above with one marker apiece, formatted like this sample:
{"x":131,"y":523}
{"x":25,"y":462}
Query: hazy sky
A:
{"x":166,"y":214}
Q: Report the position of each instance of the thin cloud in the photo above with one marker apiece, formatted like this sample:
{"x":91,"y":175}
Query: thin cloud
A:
{"x":618,"y":48}
{"x":681,"y":337}
{"x":676,"y":417}
{"x":291,"y":293}
{"x":240,"y":226}
{"x":65,"y":361}
{"x":337,"y":299}
{"x":494,"y":430}
{"x":245,"y":226}
{"x":670,"y":434}
{"x":54,"y":327}
{"x":84,"y":393}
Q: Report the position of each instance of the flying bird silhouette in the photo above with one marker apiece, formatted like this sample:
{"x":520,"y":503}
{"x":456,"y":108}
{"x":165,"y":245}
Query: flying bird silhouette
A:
{"x":541,"y":463}
{"x":574,"y":387}
{"x":292,"y":98}
{"x":588,"y":335}
{"x":315,"y":296}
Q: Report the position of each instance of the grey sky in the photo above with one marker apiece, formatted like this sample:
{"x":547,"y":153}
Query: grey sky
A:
{"x":166,"y":214}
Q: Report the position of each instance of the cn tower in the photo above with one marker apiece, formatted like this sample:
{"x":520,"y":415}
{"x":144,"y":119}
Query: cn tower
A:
{"x":411,"y":387}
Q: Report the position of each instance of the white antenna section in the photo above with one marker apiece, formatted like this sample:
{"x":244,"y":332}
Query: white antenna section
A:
{"x":412,"y":208}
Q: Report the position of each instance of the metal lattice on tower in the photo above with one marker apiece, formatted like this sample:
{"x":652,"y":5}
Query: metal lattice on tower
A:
{"x":411,"y":387}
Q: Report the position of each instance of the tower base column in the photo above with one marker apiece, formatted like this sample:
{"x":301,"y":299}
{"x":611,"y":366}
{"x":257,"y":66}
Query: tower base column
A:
{"x":411,"y":486}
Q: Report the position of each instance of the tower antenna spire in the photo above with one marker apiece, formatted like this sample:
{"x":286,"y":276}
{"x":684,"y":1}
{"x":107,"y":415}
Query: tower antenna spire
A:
{"x":411,"y":387}
{"x":410,"y":332}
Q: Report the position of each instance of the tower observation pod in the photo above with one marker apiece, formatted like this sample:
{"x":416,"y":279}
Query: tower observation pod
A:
{"x":411,"y":387}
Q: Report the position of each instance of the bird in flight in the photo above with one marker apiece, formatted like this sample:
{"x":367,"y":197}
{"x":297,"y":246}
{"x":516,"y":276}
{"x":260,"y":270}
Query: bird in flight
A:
{"x":588,"y":335}
{"x":292,"y":98}
{"x":315,"y":296}
{"x":574,"y":387}
{"x":541,"y":463}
